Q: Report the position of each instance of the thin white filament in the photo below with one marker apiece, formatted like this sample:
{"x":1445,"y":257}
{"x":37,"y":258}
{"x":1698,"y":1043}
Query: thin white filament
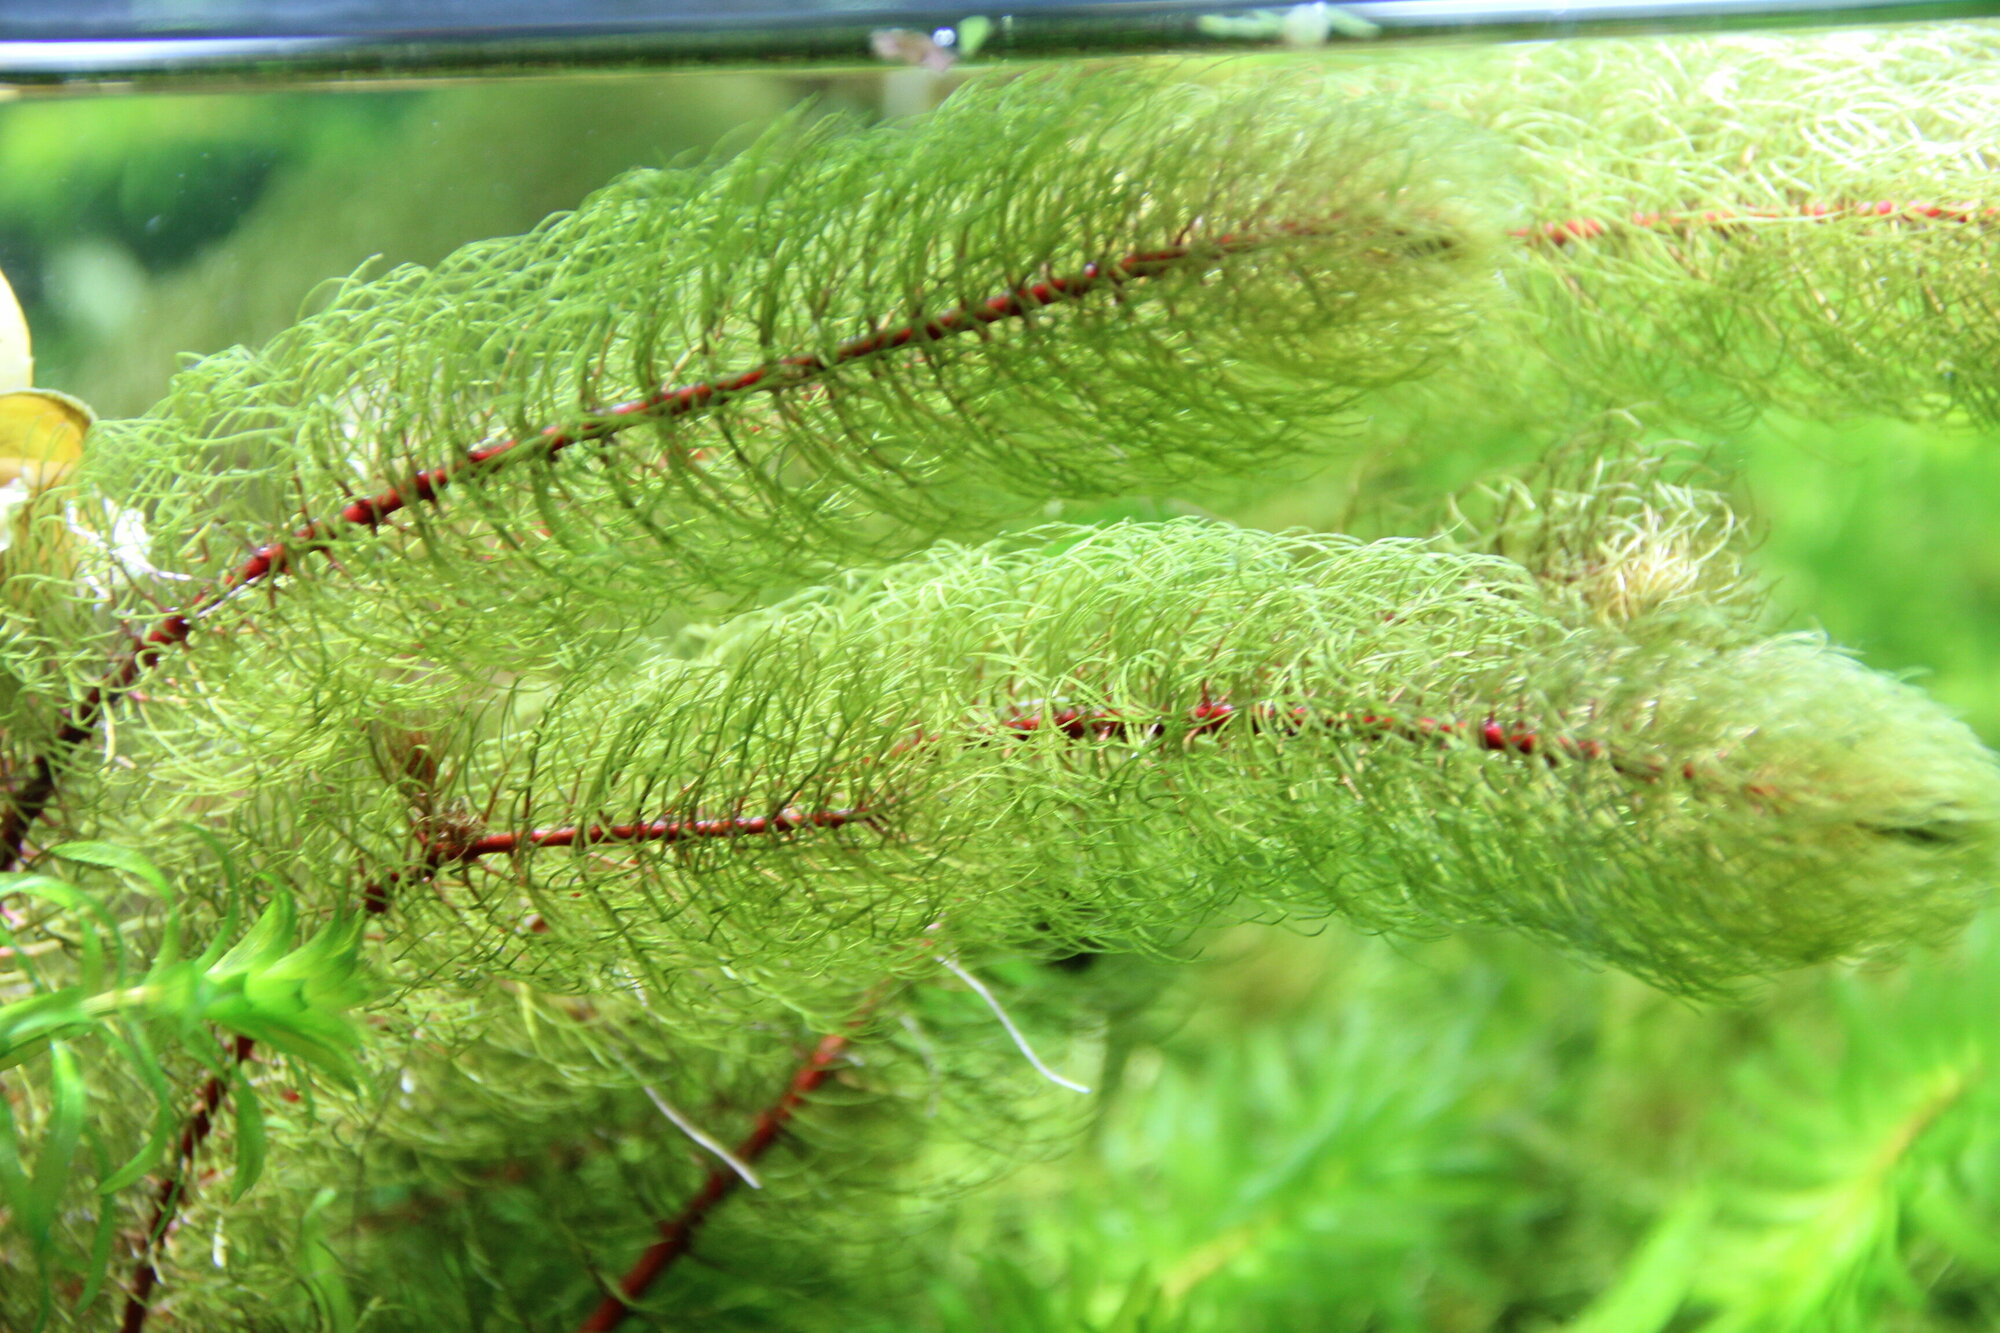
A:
{"x":687,"y":1127}
{"x":1021,"y":1042}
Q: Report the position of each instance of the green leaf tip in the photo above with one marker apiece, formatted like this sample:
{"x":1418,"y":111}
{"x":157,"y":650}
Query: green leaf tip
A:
{"x":113,"y":857}
{"x":250,"y":1135}
{"x":293,"y":998}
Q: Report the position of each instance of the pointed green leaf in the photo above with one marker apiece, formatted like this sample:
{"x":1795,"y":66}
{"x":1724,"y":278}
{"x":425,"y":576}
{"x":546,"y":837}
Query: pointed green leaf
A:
{"x":263,"y":943}
{"x":113,"y":857}
{"x":72,"y":899}
{"x":100,"y":1254}
{"x":320,"y":1268}
{"x":25,"y":1024}
{"x":1656,"y":1280}
{"x":58,"y":1148}
{"x":21,"y":881}
{"x":250,"y":1138}
{"x":169,"y":952}
{"x":23,"y":1052}
{"x":230,"y":879}
{"x":142,"y":1161}
{"x":224,"y":938}
{"x":13,"y":1177}
{"x":1135,"y":1311}
{"x":141,"y":1059}
{"x":100,"y":1242}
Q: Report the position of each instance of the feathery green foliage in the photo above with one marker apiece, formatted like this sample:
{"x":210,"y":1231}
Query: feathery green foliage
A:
{"x":622,"y":646}
{"x":1141,"y":229}
{"x":1165,"y":719}
{"x":259,"y":987}
{"x":1715,"y":226}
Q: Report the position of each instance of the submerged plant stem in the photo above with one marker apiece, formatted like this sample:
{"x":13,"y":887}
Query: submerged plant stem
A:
{"x":665,"y":403}
{"x":175,"y":1184}
{"x":376,"y":897}
{"x":1728,"y":221}
{"x":677,"y":1233}
{"x":1072,"y":724}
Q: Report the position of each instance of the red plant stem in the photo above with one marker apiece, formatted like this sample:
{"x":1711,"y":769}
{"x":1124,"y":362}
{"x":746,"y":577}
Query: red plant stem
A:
{"x":664,"y":403}
{"x":1205,"y":718}
{"x":660,"y":830}
{"x":671,"y":401}
{"x":1562,"y":233}
{"x":677,"y":1233}
{"x":174,"y":1185}
{"x":375,"y":898}
{"x":1077,"y":724}
{"x":1074,"y":724}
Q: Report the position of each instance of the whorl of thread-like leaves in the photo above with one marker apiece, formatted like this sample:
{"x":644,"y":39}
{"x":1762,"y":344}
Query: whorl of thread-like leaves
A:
{"x":837,"y":340}
{"x":1106,"y":741}
{"x":1715,"y":225}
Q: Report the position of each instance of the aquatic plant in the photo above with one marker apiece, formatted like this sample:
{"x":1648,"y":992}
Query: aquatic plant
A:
{"x":622,"y":675}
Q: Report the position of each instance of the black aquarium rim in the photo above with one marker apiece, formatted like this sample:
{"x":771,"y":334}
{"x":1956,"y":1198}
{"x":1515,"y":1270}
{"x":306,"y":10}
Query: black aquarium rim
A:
{"x":53,"y":42}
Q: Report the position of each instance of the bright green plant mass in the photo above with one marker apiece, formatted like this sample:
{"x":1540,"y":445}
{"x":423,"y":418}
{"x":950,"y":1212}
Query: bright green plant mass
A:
{"x":559,"y":742}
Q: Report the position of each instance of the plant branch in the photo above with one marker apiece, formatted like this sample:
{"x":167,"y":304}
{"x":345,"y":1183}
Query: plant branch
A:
{"x":677,"y":1233}
{"x":665,"y":403}
{"x":671,"y":401}
{"x":1209,"y":717}
{"x":659,"y":830}
{"x":1729,"y":220}
{"x":442,"y":852}
{"x":1073,"y":724}
{"x":175,"y":1184}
